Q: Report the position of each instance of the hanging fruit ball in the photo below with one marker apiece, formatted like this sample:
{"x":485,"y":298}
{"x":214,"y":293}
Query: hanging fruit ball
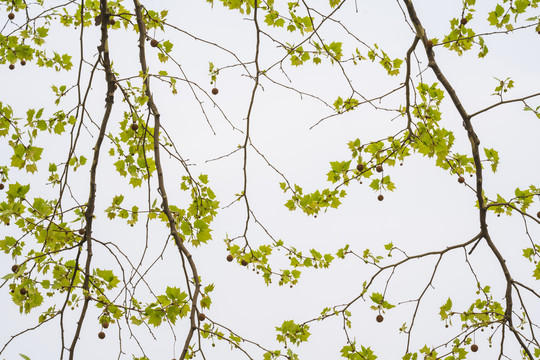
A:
{"x":474,"y":348}
{"x":379,"y":318}
{"x":215,"y":91}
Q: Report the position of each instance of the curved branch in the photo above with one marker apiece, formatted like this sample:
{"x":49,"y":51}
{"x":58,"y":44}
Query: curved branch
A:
{"x":162,"y":190}
{"x":89,"y":213}
{"x":503,"y":103}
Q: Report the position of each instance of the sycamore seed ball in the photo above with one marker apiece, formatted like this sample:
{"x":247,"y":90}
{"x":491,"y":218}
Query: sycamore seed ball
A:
{"x":215,"y":91}
{"x":474,"y":348}
{"x":379,"y":318}
{"x":101,"y":335}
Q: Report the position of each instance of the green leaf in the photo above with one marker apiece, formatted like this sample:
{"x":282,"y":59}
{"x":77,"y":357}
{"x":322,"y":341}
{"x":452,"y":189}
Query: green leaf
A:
{"x":492,"y":156}
{"x":536,"y":272}
{"x":109,"y":277}
{"x":376,"y":298}
{"x":334,"y":3}
{"x":200,"y":224}
{"x":206,"y":302}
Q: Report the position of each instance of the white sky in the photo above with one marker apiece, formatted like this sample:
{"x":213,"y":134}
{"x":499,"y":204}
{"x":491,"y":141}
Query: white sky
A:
{"x":428,"y":211}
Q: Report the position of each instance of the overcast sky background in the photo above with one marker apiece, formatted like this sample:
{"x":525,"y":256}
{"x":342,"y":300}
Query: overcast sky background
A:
{"x":429,"y":210}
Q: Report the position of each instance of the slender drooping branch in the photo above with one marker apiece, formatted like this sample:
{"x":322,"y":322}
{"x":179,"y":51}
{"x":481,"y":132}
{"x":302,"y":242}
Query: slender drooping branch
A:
{"x":161,"y":183}
{"x":90,"y":206}
{"x":475,"y":142}
{"x":408,"y":85}
{"x":248,"y":117}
